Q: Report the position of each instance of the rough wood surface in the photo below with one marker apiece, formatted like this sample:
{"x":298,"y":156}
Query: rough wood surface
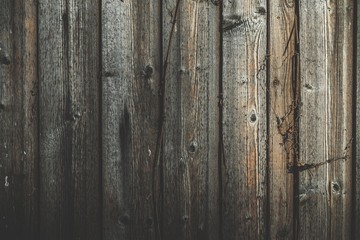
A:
{"x":244,"y":119}
{"x":69,"y":70}
{"x":179,"y":119}
{"x":326,"y":119}
{"x":281,"y":112}
{"x":190,"y":154}
{"x":19,"y":121}
{"x":130,"y":83}
{"x":356,"y":172}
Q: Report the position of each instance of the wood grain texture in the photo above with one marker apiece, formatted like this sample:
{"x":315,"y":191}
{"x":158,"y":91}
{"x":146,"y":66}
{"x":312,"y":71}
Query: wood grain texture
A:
{"x":190,"y":157}
{"x":326,"y":119}
{"x":244,"y":119}
{"x":282,"y":106}
{"x":19,"y":121}
{"x":69,"y":70}
{"x":356,"y":207}
{"x":130,"y":119}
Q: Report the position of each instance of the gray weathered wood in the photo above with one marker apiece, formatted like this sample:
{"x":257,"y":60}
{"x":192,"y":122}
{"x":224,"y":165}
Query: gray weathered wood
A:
{"x":356,"y":207}
{"x":69,"y":67}
{"x":130,"y":82}
{"x":326,"y":119}
{"x":244,"y":119}
{"x":190,"y":141}
{"x":18,"y":120}
{"x":282,"y":131}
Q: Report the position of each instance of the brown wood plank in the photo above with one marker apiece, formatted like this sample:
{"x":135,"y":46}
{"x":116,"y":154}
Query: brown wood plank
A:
{"x":130,"y":82}
{"x":19,"y":121}
{"x":244,"y":119}
{"x":326,"y":119}
{"x":282,"y":131}
{"x":190,"y":155}
{"x":69,"y":119}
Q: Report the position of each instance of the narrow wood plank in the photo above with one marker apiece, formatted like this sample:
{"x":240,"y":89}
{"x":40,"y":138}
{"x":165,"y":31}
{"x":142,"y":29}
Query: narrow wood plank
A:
{"x":356,"y":212}
{"x":19,"y":121}
{"x":282,"y":106}
{"x":326,"y":119}
{"x":69,"y":119}
{"x":190,"y":154}
{"x":130,"y":83}
{"x":244,"y":119}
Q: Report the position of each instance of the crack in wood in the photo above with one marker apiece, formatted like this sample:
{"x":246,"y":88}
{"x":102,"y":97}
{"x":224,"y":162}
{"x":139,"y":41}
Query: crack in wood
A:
{"x":300,"y":167}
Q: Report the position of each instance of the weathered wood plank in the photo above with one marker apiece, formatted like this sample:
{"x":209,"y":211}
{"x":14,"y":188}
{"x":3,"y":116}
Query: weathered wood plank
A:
{"x":244,"y":119}
{"x":19,"y":121}
{"x":356,"y":212}
{"x":190,"y":157}
{"x":326,"y":119}
{"x":282,"y":132}
{"x":69,"y":119}
{"x":130,"y":81}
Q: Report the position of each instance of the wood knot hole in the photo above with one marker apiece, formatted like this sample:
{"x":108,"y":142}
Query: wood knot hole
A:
{"x":193,"y":147}
{"x":253,"y":117}
{"x":124,"y":219}
{"x":185,"y":219}
{"x":261,"y":10}
{"x":276,"y":82}
{"x":308,"y":86}
{"x":335,"y":187}
{"x":148,"y":71}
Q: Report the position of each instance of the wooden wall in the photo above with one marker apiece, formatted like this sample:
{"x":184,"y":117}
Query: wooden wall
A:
{"x":179,"y":119}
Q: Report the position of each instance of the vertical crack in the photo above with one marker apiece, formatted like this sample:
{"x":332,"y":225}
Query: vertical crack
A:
{"x":354,"y":220}
{"x":297,"y":102}
{"x":268,"y":110}
{"x":221,"y":150}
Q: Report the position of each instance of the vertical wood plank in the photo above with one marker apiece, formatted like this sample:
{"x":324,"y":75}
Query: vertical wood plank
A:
{"x":356,"y":212}
{"x":130,"y":83}
{"x":19,"y":121}
{"x":326,"y":119}
{"x":190,"y":157}
{"x":244,"y":119}
{"x":69,"y":119}
{"x":282,"y":131}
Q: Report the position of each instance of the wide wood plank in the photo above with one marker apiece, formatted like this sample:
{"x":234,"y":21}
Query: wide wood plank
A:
{"x":69,"y":67}
{"x":326,"y":119}
{"x":244,"y":119}
{"x":190,"y":142}
{"x":283,"y":66}
{"x":19,"y":121}
{"x":130,"y":119}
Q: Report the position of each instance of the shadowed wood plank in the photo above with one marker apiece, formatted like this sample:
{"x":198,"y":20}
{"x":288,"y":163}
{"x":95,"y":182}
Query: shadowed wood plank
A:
{"x":190,"y":154}
{"x":326,"y":119}
{"x":19,"y":121}
{"x":130,"y":120}
{"x":69,"y":69}
{"x":244,"y":119}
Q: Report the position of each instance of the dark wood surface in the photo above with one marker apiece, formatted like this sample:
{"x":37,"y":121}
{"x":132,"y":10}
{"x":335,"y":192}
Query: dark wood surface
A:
{"x":69,"y":69}
{"x":19,"y":156}
{"x":179,"y":119}
{"x":131,"y":73}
